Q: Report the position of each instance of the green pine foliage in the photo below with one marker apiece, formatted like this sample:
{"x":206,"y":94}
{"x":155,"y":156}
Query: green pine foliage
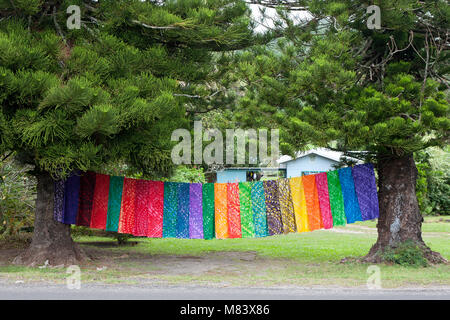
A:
{"x":114,"y":90}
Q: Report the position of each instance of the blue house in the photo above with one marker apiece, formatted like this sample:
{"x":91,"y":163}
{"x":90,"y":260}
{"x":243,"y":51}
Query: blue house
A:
{"x":244,"y":174}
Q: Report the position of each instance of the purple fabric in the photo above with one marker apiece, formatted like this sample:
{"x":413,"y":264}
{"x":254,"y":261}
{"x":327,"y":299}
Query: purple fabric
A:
{"x":58,"y":206}
{"x":195,"y":211}
{"x":366,"y":190}
{"x":72,"y":190}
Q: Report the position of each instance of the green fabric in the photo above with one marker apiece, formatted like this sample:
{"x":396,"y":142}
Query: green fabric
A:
{"x":245,"y":199}
{"x":209,"y":230}
{"x":170,"y":209}
{"x":336,"y":199}
{"x":114,"y":203}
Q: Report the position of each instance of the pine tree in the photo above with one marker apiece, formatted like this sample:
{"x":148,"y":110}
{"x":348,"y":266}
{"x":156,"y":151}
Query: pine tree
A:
{"x":109,"y":92}
{"x":376,"y":94}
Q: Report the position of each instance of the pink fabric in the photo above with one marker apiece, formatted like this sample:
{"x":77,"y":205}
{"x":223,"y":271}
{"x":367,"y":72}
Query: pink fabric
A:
{"x":324,"y":200}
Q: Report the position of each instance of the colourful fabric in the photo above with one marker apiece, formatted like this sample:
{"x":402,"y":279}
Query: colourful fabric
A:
{"x":312,"y":202}
{"x":170,"y":209}
{"x":259,"y":209}
{"x":336,"y":199}
{"x":209,"y":229}
{"x":114,"y":203}
{"x":245,"y":201}
{"x":127,"y":208}
{"x":58,"y":201}
{"x":195,"y":211}
{"x":155,"y":209}
{"x":71,"y":198}
{"x":234,"y":211}
{"x":274,"y":220}
{"x":141,"y":208}
{"x":324,"y":200}
{"x":87,"y":186}
{"x":183,"y":211}
{"x":100,"y":202}
{"x":366,"y":190}
{"x":220,"y":207}
{"x":351,"y":206}
{"x":299,"y":204}
{"x":286,"y":206}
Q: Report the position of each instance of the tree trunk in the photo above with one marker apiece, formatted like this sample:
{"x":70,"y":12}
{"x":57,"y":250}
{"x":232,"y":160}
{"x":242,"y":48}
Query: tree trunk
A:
{"x":400,"y":219}
{"x":51,"y":239}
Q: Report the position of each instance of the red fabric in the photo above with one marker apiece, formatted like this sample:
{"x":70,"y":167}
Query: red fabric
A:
{"x":126,"y":221}
{"x":100,"y":202}
{"x":86,"y":197}
{"x":324,"y":200}
{"x":141,"y":208}
{"x":155,"y":209}
{"x":234,"y":216}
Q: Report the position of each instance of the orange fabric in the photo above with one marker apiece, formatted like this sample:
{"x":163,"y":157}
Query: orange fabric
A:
{"x":126,"y":220}
{"x":312,"y":202}
{"x":221,"y":211}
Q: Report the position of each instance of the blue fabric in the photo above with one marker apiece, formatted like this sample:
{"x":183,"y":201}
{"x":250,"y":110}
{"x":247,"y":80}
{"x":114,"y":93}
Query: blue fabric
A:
{"x":351,"y":205}
{"x":71,"y":197}
{"x":170,"y":209}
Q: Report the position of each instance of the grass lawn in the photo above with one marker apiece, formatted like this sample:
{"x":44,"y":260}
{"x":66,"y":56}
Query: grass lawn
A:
{"x":288,"y":260}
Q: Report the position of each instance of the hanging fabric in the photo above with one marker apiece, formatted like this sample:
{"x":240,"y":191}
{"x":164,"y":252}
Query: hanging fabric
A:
{"x":324,"y":200}
{"x":87,"y":186}
{"x":336,"y":199}
{"x":183,"y":211}
{"x":351,"y":206}
{"x":126,"y":220}
{"x":114,"y":203}
{"x":366,"y":190}
{"x":234,"y":213}
{"x":299,"y":204}
{"x":221,"y":210}
{"x":170,"y":209}
{"x":245,"y":201}
{"x":259,"y":209}
{"x":312,"y":202}
{"x":100,"y":202}
{"x":209,"y":228}
{"x":195,"y":211}
{"x":274,"y":222}
{"x":286,"y":206}
{"x":155,"y":209}
{"x":141,"y":208}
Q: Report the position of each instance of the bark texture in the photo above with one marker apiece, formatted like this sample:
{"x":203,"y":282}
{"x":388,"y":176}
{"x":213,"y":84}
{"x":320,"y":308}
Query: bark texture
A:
{"x":400,"y":218}
{"x":51,"y":240}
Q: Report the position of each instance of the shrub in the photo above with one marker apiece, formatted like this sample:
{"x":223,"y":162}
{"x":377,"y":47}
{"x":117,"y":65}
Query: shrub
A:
{"x":407,"y":254}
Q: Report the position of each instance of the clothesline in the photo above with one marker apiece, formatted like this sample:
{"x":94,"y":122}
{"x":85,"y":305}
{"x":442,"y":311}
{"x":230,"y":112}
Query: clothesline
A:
{"x":217,"y":210}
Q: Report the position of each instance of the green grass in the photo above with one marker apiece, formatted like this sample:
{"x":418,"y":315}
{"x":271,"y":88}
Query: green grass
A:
{"x":304,"y":259}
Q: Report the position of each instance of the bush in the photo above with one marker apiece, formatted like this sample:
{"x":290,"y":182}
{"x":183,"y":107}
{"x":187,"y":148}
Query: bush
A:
{"x":407,"y":254}
{"x":17,"y":199}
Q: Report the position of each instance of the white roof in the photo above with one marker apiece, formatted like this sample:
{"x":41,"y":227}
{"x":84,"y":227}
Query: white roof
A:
{"x":323,"y":152}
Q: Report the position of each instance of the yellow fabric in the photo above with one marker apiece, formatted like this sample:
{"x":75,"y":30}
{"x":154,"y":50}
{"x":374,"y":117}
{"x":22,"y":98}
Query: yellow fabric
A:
{"x":221,"y":211}
{"x":299,"y":202}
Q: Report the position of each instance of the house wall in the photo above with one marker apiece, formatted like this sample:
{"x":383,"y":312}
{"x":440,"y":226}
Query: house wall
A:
{"x":231,"y":176}
{"x":312,"y":162}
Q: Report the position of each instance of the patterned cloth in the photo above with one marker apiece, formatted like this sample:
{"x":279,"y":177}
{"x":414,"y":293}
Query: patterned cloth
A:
{"x":155,"y":209}
{"x":221,"y":211}
{"x":336,"y":199}
{"x":274,"y":220}
{"x":286,"y":206}
{"x":366,"y":190}
{"x":209,"y":229}
{"x":234,"y":211}
{"x":71,"y":198}
{"x":312,"y":202}
{"x":351,"y":205}
{"x":245,"y":201}
{"x":195,"y":211}
{"x":58,"y":201}
{"x":183,"y":211}
{"x":324,"y":200}
{"x":141,"y":208}
{"x":299,"y":204}
{"x":100,"y":202}
{"x":259,"y":209}
{"x":114,"y":203}
{"x":127,"y":208}
{"x":170,"y":209}
{"x":87,"y":186}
